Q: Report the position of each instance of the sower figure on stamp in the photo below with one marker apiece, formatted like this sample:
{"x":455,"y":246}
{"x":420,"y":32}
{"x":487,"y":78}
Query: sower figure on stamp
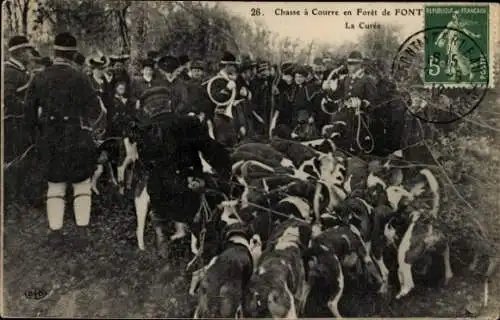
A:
{"x":457,"y":63}
{"x":350,"y":97}
{"x":221,"y":90}
{"x":62,"y":100}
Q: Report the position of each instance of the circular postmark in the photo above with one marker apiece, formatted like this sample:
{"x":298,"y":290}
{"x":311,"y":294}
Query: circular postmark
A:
{"x":444,"y":71}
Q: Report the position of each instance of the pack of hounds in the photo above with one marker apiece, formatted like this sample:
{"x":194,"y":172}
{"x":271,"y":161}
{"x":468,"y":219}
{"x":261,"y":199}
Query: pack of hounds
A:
{"x":304,"y":217}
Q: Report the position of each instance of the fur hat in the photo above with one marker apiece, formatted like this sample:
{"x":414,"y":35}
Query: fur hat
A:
{"x":355,"y":57}
{"x":228,"y":59}
{"x":65,"y":42}
{"x":168,"y":63}
{"x":19,"y":42}
{"x":97,"y":62}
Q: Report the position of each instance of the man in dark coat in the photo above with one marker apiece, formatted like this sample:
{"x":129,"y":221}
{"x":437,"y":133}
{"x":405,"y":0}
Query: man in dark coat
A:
{"x":352,"y":95}
{"x":196,"y":96}
{"x":62,"y":101}
{"x":314,"y":87}
{"x":282,"y":117}
{"x":16,"y":80}
{"x":221,"y":90}
{"x":262,"y":93}
{"x":176,"y":178}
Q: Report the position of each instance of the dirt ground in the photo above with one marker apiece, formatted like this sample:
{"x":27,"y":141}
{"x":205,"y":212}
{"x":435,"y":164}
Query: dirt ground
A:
{"x":111,"y":278}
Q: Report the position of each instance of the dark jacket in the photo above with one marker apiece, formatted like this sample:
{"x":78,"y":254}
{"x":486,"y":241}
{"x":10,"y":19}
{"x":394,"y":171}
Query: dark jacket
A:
{"x":16,"y":78}
{"x":69,"y":105}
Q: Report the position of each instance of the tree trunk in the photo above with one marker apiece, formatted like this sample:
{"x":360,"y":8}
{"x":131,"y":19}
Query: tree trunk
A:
{"x":25,"y":10}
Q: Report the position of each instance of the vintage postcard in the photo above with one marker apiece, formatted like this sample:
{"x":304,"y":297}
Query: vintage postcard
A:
{"x":202,"y":159}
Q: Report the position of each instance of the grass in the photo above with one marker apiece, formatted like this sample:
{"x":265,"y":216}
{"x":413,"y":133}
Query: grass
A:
{"x":112,"y":278}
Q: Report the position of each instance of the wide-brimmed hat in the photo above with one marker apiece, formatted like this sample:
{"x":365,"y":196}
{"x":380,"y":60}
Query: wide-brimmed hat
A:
{"x":19,"y":42}
{"x":97,"y":61}
{"x":168,"y":63}
{"x":229,"y":59}
{"x":65,"y":42}
{"x":355,"y":57}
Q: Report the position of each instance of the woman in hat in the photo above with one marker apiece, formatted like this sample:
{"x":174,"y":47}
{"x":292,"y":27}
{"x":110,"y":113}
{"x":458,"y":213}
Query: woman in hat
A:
{"x":301,"y":101}
{"x":146,"y":80}
{"x":102,"y":85}
{"x":123,"y":107}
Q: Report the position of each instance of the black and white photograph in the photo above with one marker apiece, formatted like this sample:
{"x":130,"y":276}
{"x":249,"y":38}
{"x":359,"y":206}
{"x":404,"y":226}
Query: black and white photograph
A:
{"x":238,"y":159}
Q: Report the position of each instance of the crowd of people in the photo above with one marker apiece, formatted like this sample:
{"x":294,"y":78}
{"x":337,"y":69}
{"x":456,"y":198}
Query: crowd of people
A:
{"x":248,"y":98}
{"x":70,"y":99}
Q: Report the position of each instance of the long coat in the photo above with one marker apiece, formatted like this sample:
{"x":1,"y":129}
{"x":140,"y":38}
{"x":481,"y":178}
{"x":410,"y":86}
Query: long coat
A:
{"x":349,"y":86}
{"x":171,"y":153}
{"x":69,"y":106}
{"x":16,"y":78}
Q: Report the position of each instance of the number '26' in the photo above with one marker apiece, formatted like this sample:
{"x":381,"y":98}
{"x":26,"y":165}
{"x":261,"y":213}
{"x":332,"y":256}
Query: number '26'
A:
{"x":255,"y":12}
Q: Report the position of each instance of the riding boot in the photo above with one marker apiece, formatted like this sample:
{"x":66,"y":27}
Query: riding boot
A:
{"x":56,"y":204}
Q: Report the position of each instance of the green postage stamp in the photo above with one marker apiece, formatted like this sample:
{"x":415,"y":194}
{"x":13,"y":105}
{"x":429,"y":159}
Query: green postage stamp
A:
{"x":458,"y":45}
